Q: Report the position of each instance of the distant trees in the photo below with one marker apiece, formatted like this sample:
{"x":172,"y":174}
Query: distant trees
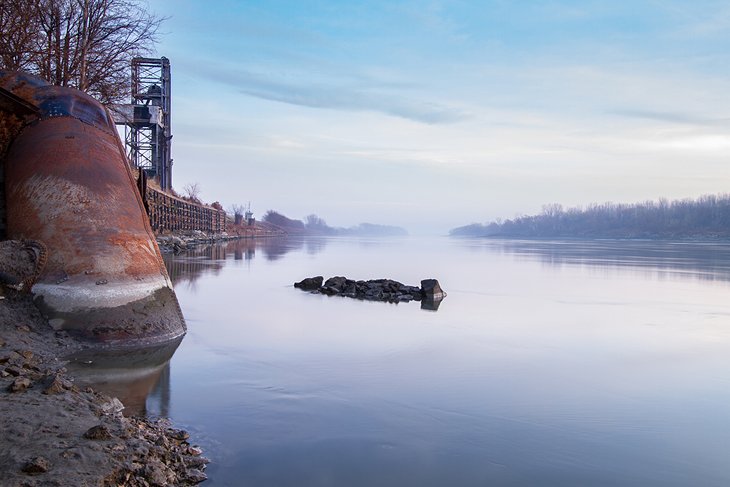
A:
{"x":280,"y":220}
{"x":84,"y":44}
{"x":314,"y":221}
{"x":314,"y":225}
{"x":705,"y":217}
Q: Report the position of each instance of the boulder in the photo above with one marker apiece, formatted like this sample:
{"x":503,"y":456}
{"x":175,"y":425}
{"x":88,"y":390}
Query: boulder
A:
{"x":431,"y":290}
{"x":329,"y":290}
{"x":154,"y":473}
{"x":58,"y":385}
{"x":413,"y":291}
{"x":310,"y":283}
{"x":36,"y":466}
{"x":338,"y":283}
{"x":178,"y":244}
{"x":196,"y":476}
{"x":98,"y":432}
{"x":19,"y":385}
{"x":180,"y":435}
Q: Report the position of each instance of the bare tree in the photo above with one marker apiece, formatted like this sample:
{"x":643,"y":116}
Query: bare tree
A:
{"x":18,"y":35}
{"x":84,"y":44}
{"x":192,"y":192}
{"x":237,"y":211}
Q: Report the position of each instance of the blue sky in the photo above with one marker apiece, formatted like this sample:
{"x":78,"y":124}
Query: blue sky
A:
{"x":431,"y":115}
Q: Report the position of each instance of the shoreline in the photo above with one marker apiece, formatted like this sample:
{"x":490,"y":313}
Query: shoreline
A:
{"x":177,"y":242}
{"x":56,"y":433}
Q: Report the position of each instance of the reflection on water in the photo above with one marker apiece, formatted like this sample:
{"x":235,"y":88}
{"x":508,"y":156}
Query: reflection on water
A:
{"x":554,"y":364}
{"x":210,"y":258}
{"x":430,"y":304}
{"x":139,"y":378}
{"x":701,"y":260}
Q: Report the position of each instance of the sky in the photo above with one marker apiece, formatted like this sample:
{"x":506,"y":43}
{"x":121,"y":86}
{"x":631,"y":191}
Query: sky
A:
{"x":435,"y":114}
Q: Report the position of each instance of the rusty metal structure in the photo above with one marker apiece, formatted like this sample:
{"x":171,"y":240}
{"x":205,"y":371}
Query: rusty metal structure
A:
{"x":68,"y":185}
{"x":147,"y":122}
{"x":147,"y":119}
{"x":170,"y":213}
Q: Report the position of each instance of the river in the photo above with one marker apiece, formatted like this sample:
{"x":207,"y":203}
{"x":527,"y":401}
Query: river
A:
{"x":548,"y":363}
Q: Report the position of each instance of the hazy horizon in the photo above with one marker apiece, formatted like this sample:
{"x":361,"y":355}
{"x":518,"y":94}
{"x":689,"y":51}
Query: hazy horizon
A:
{"x":434,"y":115}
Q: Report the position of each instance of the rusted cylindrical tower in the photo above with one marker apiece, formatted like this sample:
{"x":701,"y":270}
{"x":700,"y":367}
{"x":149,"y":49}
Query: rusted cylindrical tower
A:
{"x":68,"y":185}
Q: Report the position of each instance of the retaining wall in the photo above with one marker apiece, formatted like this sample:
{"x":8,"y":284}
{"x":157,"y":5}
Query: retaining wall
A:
{"x":170,"y":213}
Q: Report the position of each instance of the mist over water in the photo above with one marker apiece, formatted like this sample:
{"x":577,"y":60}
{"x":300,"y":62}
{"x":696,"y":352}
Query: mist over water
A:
{"x":549,"y":363}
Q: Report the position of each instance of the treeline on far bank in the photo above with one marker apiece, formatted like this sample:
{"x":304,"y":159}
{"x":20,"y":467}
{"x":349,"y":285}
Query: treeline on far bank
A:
{"x":314,"y":225}
{"x":705,"y":217}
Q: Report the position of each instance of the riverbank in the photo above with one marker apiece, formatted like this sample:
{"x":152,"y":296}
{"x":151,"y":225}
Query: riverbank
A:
{"x":176,"y":242}
{"x":55,"y":433}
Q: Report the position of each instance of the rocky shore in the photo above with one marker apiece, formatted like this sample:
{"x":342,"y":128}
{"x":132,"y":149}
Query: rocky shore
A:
{"x":386,"y":290}
{"x":178,"y":242}
{"x":57,"y":434}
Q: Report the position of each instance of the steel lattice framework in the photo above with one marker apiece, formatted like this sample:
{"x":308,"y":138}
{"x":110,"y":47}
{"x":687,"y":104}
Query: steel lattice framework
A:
{"x":148,"y":119}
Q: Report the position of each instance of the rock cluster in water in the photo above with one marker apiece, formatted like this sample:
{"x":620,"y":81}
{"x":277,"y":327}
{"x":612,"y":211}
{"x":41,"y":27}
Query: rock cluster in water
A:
{"x":386,"y":290}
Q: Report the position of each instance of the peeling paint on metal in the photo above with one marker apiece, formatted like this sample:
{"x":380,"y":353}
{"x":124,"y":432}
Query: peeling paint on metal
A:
{"x":69,"y":185}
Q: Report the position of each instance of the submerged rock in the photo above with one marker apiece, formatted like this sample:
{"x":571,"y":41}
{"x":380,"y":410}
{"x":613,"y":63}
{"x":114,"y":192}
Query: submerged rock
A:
{"x":309,"y":283}
{"x":196,"y":476}
{"x":430,"y":305}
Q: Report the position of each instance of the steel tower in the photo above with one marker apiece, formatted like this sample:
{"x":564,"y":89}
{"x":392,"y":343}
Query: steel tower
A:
{"x":147,"y":119}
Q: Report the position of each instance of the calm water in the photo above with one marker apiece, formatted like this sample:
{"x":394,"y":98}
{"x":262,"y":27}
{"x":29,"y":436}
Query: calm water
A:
{"x":549,"y":363}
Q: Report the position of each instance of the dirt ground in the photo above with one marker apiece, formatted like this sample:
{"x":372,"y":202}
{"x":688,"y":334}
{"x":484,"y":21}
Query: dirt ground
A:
{"x":55,"y":434}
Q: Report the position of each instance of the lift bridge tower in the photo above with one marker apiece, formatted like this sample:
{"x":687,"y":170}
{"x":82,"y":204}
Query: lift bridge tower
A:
{"x":146,"y":120}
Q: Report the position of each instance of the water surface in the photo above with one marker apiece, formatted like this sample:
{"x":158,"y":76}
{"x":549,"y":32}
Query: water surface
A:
{"x":549,"y":363}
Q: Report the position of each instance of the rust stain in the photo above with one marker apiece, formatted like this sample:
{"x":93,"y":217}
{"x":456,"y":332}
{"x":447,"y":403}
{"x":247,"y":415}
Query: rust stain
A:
{"x":68,"y":185}
{"x":74,"y":195}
